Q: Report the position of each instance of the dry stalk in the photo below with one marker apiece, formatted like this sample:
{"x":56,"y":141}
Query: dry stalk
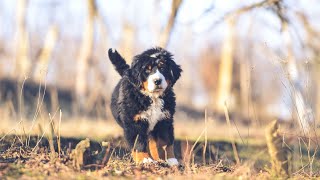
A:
{"x":195,"y":143}
{"x":107,"y":155}
{"x":38,"y":108}
{"x":204,"y":131}
{"x":20,"y":115}
{"x":59,"y":135}
{"x":234,"y":147}
{"x":134,"y":145}
{"x":20,"y":107}
{"x":312,"y":160}
{"x":300,"y":151}
{"x":50,"y":139}
{"x":44,"y":132}
{"x":185,"y":152}
{"x":205,"y":138}
{"x":164,"y":148}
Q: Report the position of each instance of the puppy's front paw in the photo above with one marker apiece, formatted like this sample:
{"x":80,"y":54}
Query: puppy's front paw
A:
{"x":140,"y":157}
{"x":147,"y":160}
{"x":172,"y":162}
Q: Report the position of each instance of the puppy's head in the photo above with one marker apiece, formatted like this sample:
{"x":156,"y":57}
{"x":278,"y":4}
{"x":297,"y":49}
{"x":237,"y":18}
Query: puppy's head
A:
{"x":155,"y":71}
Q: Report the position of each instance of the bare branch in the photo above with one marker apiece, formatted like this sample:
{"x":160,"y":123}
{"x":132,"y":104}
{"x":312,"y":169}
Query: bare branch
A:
{"x":240,"y":11}
{"x":166,"y":34}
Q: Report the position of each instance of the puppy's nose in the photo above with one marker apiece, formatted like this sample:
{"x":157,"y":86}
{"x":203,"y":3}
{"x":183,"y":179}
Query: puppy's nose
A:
{"x":157,"y":81}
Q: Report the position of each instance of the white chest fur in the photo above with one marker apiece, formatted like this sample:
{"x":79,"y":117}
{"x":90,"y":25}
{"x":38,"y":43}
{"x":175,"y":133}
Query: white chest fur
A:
{"x":155,"y":113}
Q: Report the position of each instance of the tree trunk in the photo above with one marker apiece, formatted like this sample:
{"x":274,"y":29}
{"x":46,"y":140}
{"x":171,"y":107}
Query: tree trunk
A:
{"x":313,"y":44}
{"x":245,"y":94}
{"x":165,"y":35}
{"x":303,"y":110}
{"x":22,"y":60}
{"x":128,"y":42}
{"x":85,"y":54}
{"x":225,"y":69}
{"x":45,"y":55}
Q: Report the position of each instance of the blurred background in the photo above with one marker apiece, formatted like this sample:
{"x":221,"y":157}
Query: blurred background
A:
{"x":255,"y":60}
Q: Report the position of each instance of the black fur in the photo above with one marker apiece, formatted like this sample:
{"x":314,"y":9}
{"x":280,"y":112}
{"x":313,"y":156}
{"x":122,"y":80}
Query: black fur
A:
{"x":128,"y":99}
{"x":118,"y":61}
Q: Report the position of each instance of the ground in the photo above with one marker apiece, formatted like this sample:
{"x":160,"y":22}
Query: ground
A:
{"x":37,"y":157}
{"x":20,"y":161}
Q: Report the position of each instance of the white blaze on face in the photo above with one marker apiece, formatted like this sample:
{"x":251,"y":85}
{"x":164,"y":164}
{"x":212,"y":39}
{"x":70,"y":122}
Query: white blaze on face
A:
{"x":156,"y":76}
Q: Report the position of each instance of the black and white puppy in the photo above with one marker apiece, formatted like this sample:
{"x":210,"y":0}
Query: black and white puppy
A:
{"x":143,"y":103}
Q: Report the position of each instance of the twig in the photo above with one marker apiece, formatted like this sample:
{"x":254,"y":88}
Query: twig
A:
{"x":205,"y":138}
{"x":50,"y":138}
{"x":134,"y":145}
{"x":235,"y":152}
{"x":51,"y":119}
{"x":194,"y":144}
{"x":243,"y":10}
{"x":38,"y":108}
{"x":20,"y":106}
{"x":185,"y":155}
{"x":59,"y":135}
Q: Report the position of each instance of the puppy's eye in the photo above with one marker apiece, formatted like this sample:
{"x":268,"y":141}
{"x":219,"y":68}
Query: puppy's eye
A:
{"x":161,"y":64}
{"x":148,"y":69}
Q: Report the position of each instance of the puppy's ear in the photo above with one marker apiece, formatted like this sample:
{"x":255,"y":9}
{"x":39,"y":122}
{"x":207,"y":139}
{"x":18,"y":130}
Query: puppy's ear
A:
{"x":175,"y":71}
{"x":133,"y":78}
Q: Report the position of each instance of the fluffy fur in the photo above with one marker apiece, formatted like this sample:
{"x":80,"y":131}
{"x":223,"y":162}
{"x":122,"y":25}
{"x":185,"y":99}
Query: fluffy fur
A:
{"x":143,"y":102}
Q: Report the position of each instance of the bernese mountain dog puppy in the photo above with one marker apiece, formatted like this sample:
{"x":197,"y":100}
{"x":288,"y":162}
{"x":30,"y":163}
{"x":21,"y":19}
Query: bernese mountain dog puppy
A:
{"x":143,"y":103}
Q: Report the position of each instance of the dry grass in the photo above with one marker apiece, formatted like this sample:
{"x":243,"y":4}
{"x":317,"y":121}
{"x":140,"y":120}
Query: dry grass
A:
{"x":211,"y":157}
{"x":19,"y":161}
{"x":100,"y":128}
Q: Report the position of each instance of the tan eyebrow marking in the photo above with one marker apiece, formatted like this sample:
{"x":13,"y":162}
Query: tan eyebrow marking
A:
{"x":161,"y":63}
{"x":137,"y":117}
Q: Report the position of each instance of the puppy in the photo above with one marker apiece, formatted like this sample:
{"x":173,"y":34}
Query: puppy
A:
{"x":143,"y":103}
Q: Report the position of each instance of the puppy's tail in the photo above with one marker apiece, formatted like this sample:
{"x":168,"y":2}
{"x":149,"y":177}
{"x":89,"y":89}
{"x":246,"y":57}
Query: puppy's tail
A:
{"x":118,"y":61}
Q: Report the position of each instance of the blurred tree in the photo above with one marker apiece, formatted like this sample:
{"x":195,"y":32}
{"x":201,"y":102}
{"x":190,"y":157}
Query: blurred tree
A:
{"x":128,"y":41}
{"x":313,"y":43}
{"x":225,"y":67}
{"x":85,"y":53}
{"x":23,"y":63}
{"x":166,"y":33}
{"x":245,"y":74}
{"x":41,"y":65}
{"x":303,"y":110}
{"x":245,"y":83}
{"x":209,"y":68}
